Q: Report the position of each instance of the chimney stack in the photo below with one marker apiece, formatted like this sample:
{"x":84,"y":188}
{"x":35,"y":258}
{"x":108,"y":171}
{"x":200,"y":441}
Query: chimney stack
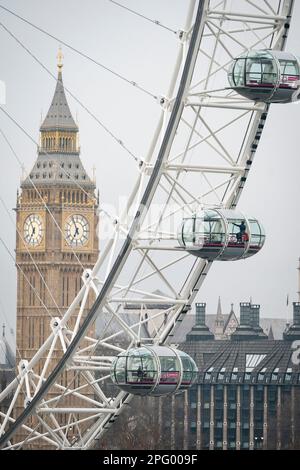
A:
{"x":245,"y":331}
{"x":255,"y":310}
{"x":200,"y":332}
{"x":200,"y":314}
{"x":255,"y":313}
{"x":293,"y":332}
{"x":245,"y":314}
{"x":296,"y":313}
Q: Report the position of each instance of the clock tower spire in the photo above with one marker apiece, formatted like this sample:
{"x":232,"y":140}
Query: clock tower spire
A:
{"x":58,"y":161}
{"x":57,"y":219}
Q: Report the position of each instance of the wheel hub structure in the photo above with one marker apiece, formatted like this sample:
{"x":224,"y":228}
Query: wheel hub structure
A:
{"x":144,"y":281}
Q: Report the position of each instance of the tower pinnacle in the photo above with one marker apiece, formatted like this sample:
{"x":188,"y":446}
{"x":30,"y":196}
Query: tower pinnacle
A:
{"x":219,"y":322}
{"x":60,"y":59}
{"x":219,"y":310}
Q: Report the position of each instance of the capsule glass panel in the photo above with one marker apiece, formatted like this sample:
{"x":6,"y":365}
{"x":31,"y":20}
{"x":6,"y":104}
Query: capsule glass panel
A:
{"x":221,"y":235}
{"x":258,"y":236}
{"x":153,"y":370}
{"x":267,"y":76}
{"x":189,"y":370}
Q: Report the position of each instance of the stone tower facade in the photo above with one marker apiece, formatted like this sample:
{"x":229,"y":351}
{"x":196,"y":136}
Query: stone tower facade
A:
{"x":57,"y":221}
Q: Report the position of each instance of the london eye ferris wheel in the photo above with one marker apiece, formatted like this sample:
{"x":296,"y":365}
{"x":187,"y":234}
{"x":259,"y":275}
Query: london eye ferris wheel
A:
{"x":232,"y":65}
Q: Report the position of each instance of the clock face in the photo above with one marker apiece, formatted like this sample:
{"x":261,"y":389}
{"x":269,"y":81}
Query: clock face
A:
{"x":77,"y":230}
{"x":33,"y":230}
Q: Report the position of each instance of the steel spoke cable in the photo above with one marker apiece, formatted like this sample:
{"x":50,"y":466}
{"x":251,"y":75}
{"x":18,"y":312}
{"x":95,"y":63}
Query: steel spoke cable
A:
{"x":86,"y":56}
{"x":270,"y":7}
{"x":102,"y":125}
{"x":134,"y":12}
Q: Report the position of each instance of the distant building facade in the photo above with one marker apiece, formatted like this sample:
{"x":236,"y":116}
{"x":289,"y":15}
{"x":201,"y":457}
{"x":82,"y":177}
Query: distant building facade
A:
{"x":247,"y":395}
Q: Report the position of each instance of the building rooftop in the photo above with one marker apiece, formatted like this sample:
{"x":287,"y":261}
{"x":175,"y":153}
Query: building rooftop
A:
{"x":59,"y":169}
{"x":253,"y":361}
{"x":278,"y":326}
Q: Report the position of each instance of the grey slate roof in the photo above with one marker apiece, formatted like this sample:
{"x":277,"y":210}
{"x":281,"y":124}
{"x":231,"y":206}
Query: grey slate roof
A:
{"x":55,"y":168}
{"x":58,"y":168}
{"x":250,"y":361}
{"x":187,"y":324}
{"x":59,"y":115}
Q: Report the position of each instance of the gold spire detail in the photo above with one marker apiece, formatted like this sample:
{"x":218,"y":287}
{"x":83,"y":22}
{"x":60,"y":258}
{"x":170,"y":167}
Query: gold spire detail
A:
{"x":60,"y":59}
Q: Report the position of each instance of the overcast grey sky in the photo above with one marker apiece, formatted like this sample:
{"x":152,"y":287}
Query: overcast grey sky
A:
{"x":144,"y":53}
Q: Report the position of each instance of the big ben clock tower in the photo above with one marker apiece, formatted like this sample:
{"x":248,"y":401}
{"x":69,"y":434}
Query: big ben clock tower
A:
{"x":57,"y":222}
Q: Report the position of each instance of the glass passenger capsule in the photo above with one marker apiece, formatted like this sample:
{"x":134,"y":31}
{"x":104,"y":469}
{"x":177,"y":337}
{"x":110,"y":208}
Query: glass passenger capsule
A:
{"x":221,"y":234}
{"x":267,"y":76}
{"x":153,"y":370}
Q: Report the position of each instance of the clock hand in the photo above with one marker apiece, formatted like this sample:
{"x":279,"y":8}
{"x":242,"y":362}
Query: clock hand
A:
{"x":31,"y":236}
{"x":76,"y":228}
{"x":31,"y":224}
{"x":76,"y":232}
{"x":33,"y":230}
